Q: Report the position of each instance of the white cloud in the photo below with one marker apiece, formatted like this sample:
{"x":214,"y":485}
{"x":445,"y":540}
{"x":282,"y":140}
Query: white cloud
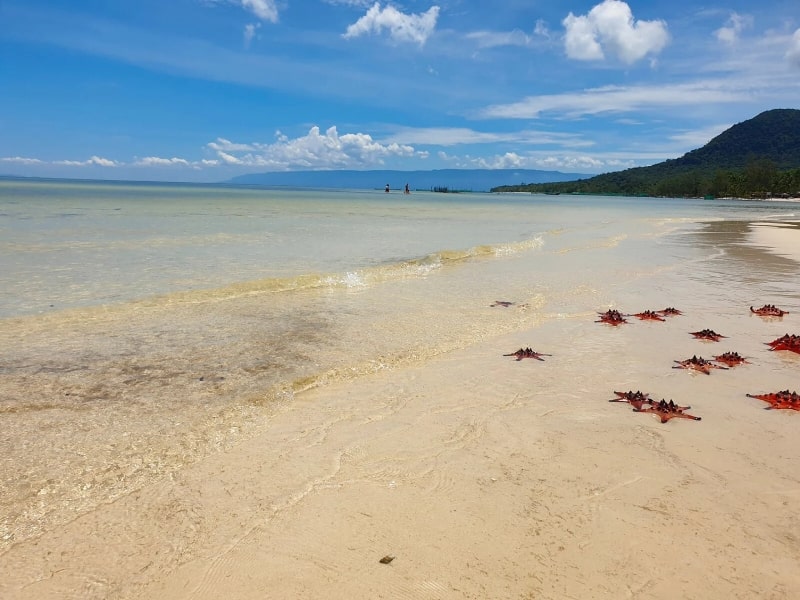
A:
{"x":263,"y":9}
{"x":793,"y":54}
{"x":699,"y":137}
{"x":155,"y":161}
{"x":610,"y":28}
{"x":315,"y":150}
{"x":512,"y":160}
{"x":736,"y":23}
{"x":20,"y":160}
{"x":93,"y":161}
{"x":610,"y":99}
{"x":452,"y":136}
{"x":491,"y":39}
{"x":402,"y":27}
{"x":541,"y":29}
{"x":357,"y":3}
{"x":250,"y":33}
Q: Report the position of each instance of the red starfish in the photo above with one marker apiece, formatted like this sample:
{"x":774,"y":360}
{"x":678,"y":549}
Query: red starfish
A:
{"x":649,"y":315}
{"x":611,"y":317}
{"x":698,"y":364}
{"x":777,"y":400}
{"x":527,"y":353}
{"x":630,"y":397}
{"x":670,"y":311}
{"x":786,"y":342}
{"x":667,"y":410}
{"x":707,"y":334}
{"x":769,"y":310}
{"x":731,"y":359}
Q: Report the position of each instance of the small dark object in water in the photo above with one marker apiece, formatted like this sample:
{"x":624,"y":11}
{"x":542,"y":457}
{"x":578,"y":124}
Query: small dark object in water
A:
{"x":504,"y":303}
{"x":670,"y":311}
{"x":386,"y":560}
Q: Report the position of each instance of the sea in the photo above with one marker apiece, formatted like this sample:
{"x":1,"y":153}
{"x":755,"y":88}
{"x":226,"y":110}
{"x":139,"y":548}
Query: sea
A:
{"x":144,"y":326}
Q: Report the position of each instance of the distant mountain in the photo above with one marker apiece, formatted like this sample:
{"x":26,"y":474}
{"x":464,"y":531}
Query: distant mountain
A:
{"x":745,"y":159}
{"x":474,"y":180}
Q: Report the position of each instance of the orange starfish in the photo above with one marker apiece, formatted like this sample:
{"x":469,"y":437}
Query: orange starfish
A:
{"x":769,"y":310}
{"x":611,"y":317}
{"x":731,"y":359}
{"x":649,"y":315}
{"x":707,"y":334}
{"x":667,"y":410}
{"x":697,"y":364}
{"x":778,"y":400}
{"x":786,"y":342}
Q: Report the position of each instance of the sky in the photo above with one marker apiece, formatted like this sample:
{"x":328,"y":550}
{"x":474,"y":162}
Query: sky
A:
{"x":205,"y":90}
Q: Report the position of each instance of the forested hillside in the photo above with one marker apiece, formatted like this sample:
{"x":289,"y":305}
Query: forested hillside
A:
{"x":758,"y":157}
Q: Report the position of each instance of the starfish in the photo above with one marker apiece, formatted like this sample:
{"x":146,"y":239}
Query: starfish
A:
{"x":670,"y":311}
{"x":731,"y":359}
{"x":769,"y":310}
{"x":697,"y":364}
{"x":527,"y":353}
{"x":649,"y":315}
{"x":611,"y":317}
{"x":707,"y":334}
{"x":777,"y":400}
{"x":630,"y":397}
{"x":786,"y":342}
{"x":640,"y":401}
{"x":667,"y":410}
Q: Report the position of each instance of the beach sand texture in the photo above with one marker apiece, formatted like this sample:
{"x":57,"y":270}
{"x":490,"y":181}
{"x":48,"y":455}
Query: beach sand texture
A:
{"x":483,"y":476}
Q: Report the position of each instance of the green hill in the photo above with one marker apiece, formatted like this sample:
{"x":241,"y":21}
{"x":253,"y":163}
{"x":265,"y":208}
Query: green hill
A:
{"x":758,"y":157}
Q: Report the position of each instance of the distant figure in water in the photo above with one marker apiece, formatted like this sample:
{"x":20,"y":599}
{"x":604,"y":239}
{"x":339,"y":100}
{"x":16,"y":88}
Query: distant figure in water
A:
{"x":387,"y":188}
{"x":407,"y":191}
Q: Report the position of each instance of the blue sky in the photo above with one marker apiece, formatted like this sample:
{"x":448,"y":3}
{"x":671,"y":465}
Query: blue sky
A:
{"x":203,"y":90}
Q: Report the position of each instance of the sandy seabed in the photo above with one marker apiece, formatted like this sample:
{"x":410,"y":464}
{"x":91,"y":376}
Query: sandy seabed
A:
{"x":483,"y":477}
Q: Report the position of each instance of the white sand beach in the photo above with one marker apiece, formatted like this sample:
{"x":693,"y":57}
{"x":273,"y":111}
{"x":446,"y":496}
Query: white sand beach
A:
{"x":483,"y":477}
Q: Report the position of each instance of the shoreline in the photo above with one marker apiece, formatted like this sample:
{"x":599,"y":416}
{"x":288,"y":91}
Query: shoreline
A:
{"x":485,"y":477}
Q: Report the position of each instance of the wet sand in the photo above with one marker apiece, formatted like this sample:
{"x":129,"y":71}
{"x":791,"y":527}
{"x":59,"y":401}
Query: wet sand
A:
{"x":483,"y":476}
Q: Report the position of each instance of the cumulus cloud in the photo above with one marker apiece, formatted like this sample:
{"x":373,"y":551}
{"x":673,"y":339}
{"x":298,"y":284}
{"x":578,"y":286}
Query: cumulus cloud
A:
{"x":263,"y":9}
{"x":610,"y":28}
{"x":315,"y":150}
{"x":793,"y":54}
{"x":401,"y":27}
{"x":736,"y":23}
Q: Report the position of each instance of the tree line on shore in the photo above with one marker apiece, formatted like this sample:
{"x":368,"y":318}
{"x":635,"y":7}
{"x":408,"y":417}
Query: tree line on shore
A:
{"x":759,"y":179}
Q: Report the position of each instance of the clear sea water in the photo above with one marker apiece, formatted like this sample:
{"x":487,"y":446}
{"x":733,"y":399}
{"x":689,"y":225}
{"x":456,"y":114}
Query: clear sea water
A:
{"x":144,"y":326}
